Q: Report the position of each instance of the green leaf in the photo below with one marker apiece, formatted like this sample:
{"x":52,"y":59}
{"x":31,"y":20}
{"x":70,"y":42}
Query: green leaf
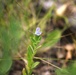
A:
{"x":32,"y":40}
{"x":63,"y":71}
{"x":5,"y":38}
{"x":35,"y":64}
{"x":72,"y":68}
{"x":52,"y":38}
{"x":30,"y":55}
{"x":5,"y":63}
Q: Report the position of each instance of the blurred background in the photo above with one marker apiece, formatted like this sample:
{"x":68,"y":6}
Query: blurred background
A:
{"x":57,"y":20}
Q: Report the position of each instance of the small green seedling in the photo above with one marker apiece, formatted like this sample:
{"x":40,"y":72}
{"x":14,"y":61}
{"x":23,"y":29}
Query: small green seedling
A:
{"x":31,"y":51}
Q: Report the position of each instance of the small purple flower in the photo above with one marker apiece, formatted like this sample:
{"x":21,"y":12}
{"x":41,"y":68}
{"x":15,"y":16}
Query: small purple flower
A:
{"x":38,"y":31}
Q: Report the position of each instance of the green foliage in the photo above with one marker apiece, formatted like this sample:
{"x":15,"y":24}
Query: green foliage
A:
{"x":5,"y":63}
{"x":70,"y":70}
{"x":35,"y":64}
{"x":9,"y":37}
{"x":52,"y":38}
{"x":63,"y":71}
{"x":31,"y":51}
{"x":13,"y":15}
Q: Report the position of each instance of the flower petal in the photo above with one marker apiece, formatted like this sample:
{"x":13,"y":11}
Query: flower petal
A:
{"x":38,"y":32}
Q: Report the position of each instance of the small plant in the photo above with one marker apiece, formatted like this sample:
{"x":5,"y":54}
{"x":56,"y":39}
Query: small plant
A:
{"x":31,"y":51}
